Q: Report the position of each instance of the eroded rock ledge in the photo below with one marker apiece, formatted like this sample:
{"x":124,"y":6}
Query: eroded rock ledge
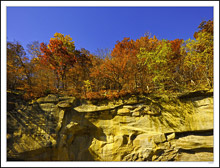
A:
{"x":153,"y":128}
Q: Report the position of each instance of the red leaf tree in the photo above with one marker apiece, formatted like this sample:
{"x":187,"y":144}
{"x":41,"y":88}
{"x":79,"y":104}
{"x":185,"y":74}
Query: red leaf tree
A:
{"x":59,"y":55}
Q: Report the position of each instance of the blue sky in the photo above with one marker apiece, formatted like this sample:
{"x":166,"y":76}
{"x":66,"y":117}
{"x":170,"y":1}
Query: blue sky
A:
{"x":101,"y":27}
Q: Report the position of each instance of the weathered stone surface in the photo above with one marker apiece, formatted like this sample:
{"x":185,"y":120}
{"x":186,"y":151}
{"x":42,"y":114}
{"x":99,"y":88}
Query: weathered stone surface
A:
{"x":136,"y":114}
{"x":193,"y":142}
{"x":64,"y":104}
{"x":112,"y":131}
{"x":86,"y":108}
{"x":202,"y":118}
{"x":171,"y":136}
{"x":159,"y":138}
{"x":69,"y":102}
{"x":60,"y":119}
{"x":129,"y":107}
{"x":122,"y":119}
{"x":139,"y":108}
{"x":195,"y":157}
{"x":166,"y":155}
{"x":48,"y":99}
{"x":124,"y":111}
{"x":147,"y":108}
{"x":48,"y":107}
{"x":152,"y":112}
{"x":203,"y":102}
{"x":144,"y":141}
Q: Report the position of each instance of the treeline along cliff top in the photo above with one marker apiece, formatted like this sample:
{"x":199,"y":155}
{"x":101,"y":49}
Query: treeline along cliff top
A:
{"x":145,"y":65}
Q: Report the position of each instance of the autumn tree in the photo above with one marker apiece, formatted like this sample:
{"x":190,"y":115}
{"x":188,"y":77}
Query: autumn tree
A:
{"x":18,"y":74}
{"x":42,"y":77}
{"x":59,"y":55}
{"x":80,"y":72}
{"x":96,"y":73}
{"x":123,"y":64}
{"x":33,"y":51}
{"x":157,"y":62}
{"x":205,"y":26}
{"x":144,"y":77}
{"x":198,"y":61}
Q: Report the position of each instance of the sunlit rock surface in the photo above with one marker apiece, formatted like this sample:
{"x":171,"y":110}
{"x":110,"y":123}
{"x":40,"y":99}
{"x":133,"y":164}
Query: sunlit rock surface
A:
{"x":153,"y":128}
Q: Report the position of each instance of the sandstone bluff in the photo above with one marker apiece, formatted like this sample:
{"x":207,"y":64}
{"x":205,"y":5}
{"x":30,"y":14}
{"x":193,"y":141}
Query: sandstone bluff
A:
{"x":144,"y":128}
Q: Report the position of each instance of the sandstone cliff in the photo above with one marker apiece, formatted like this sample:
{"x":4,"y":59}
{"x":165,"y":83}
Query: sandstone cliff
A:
{"x":144,"y":128}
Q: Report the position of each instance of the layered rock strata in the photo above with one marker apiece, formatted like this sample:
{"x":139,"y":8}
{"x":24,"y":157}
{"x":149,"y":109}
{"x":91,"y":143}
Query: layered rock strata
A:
{"x":152,"y":128}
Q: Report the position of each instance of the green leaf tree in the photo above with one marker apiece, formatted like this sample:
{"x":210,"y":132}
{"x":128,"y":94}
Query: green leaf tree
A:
{"x":198,"y":61}
{"x":156,"y":61}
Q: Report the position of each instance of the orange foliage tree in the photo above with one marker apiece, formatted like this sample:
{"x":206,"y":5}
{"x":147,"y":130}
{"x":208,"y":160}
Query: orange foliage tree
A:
{"x":18,"y":74}
{"x":59,"y":56}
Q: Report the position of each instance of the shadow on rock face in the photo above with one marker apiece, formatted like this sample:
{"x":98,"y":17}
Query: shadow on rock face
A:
{"x":75,"y":137}
{"x":73,"y":141}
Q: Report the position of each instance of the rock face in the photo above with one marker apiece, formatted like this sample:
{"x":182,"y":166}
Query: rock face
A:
{"x":144,"y":129}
